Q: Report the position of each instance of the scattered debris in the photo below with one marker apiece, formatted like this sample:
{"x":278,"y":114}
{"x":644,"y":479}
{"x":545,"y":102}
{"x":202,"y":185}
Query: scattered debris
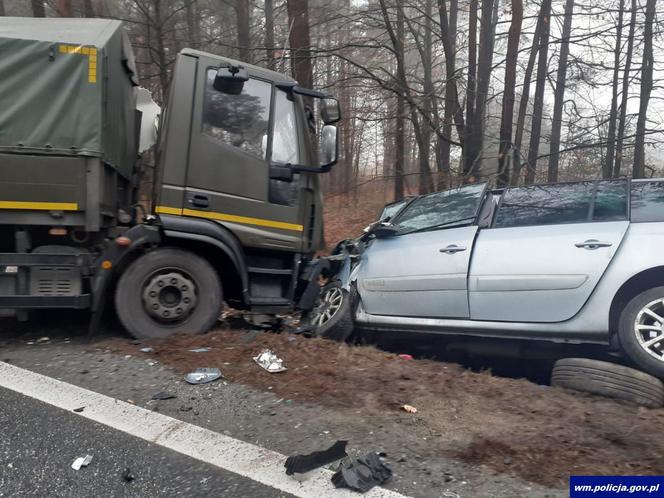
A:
{"x":128,"y":475}
{"x":200,"y":350}
{"x":81,"y":462}
{"x":43,"y":340}
{"x":362,"y":474}
{"x":251,"y":336}
{"x":79,"y":409}
{"x":205,"y":480}
{"x":146,"y":350}
{"x":305,"y":463}
{"x":409,"y":408}
{"x":163,"y":395}
{"x":185,"y":408}
{"x":270,"y":361}
{"x":203,"y":375}
{"x":406,"y":356}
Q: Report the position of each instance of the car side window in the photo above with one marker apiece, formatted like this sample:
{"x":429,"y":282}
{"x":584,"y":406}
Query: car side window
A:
{"x":545,"y":205}
{"x":238,"y":120}
{"x":647,"y":201}
{"x":610,"y":201}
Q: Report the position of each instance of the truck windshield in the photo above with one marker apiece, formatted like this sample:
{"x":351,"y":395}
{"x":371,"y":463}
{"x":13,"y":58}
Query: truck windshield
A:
{"x":441,"y":209}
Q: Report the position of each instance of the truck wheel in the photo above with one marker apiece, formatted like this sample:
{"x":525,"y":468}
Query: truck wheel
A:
{"x":608,"y":379}
{"x":641,"y":331}
{"x":167,"y":291}
{"x":331,"y":316}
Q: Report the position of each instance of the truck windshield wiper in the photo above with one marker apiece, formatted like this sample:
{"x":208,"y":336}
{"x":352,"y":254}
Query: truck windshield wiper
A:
{"x":439,"y":225}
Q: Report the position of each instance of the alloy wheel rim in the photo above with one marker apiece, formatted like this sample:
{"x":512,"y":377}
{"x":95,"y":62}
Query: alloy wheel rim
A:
{"x":649,"y":328}
{"x":328,"y":306}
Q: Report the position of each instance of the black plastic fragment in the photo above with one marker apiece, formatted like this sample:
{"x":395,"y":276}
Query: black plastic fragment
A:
{"x":127,"y":475}
{"x":362,"y":474}
{"x":163,"y":395}
{"x":79,"y":409}
{"x":304,"y":463}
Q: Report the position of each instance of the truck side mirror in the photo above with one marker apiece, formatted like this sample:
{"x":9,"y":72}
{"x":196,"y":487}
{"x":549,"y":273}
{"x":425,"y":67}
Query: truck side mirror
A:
{"x":330,"y":112}
{"x":230,"y":79}
{"x":329,"y":147}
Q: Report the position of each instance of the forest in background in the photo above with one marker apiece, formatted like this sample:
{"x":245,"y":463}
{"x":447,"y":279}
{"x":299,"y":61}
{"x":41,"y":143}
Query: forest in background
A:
{"x":435,"y":93}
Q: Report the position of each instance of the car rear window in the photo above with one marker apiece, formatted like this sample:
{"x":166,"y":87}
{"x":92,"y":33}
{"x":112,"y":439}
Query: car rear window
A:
{"x":647,"y":201}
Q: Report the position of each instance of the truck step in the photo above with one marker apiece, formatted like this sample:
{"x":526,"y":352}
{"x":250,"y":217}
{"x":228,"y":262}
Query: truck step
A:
{"x":270,"y":271}
{"x":270,"y":301}
{"x":81,"y":301}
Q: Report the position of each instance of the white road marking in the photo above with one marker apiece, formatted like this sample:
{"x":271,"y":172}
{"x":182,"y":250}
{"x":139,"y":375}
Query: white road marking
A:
{"x":246,"y":459}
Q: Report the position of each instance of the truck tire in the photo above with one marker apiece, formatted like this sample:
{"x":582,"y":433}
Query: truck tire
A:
{"x":608,"y":379}
{"x":166,"y":291}
{"x":641,"y":331}
{"x":331,"y":317}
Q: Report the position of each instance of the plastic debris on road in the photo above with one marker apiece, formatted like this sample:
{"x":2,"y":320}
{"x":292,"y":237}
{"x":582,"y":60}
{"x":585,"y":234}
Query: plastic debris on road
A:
{"x":163,"y":395}
{"x":362,"y":474}
{"x":146,"y":350}
{"x":406,"y":356}
{"x":43,"y":340}
{"x":128,"y":475}
{"x":270,"y":361}
{"x":79,"y":409}
{"x":304,"y":463}
{"x":203,"y":375}
{"x":81,"y":462}
{"x":409,"y":408}
{"x":200,"y":350}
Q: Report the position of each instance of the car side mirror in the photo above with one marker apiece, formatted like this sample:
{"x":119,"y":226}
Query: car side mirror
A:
{"x":230,"y":79}
{"x":330,"y":112}
{"x":328,"y":150}
{"x":385,"y":230}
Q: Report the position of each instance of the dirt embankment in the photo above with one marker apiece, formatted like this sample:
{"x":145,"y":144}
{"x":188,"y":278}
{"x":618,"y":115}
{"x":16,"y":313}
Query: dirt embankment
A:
{"x":512,"y":426}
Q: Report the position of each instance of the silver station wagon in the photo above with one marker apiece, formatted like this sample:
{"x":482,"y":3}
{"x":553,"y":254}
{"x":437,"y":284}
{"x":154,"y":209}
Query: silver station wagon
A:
{"x":575,"y":262}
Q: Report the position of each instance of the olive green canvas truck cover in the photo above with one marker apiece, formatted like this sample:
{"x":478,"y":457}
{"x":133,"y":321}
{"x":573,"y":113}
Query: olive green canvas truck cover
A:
{"x":67,"y":105}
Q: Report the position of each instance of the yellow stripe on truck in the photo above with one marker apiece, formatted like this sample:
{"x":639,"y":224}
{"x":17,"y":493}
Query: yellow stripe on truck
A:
{"x":44,"y":206}
{"x":245,"y":220}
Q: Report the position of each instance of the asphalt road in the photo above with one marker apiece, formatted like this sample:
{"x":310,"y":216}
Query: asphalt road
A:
{"x":38,"y":444}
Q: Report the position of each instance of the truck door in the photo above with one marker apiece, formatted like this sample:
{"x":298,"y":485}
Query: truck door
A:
{"x":228,"y":174}
{"x":422,"y":271}
{"x":547,"y":250}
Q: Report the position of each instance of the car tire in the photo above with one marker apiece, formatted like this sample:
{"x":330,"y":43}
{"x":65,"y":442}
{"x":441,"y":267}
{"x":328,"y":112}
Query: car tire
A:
{"x":608,"y":379}
{"x":633,"y":342}
{"x":167,"y":291}
{"x":339,"y":325}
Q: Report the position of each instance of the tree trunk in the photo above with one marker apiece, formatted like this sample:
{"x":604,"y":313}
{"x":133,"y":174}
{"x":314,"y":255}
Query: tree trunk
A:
{"x":300,"y":44}
{"x":452,"y":113}
{"x":424,"y":144}
{"x":523,"y":101}
{"x":625,"y":92}
{"x":38,"y":9}
{"x":193,"y":25}
{"x":64,"y":8}
{"x":509,"y":93}
{"x":607,"y":168}
{"x":162,"y":62}
{"x":469,"y":151}
{"x":538,"y":104}
{"x":269,"y":33}
{"x":89,"y":9}
{"x":2,"y":8}
{"x":559,"y":97}
{"x":243,"y":36}
{"x":646,"y":89}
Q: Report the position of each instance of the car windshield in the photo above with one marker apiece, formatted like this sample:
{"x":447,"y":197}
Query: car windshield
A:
{"x":441,"y":209}
{"x":391,"y":209}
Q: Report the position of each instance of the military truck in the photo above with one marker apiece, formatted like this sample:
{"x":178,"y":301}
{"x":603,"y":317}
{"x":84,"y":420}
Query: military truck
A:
{"x":237,"y":210}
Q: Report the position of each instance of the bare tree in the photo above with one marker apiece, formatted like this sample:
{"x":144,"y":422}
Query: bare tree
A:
{"x":242,"y":19}
{"x":607,"y":170}
{"x":559,"y":98}
{"x":38,"y":9}
{"x":646,"y":89}
{"x":64,"y":8}
{"x":88,"y":9}
{"x":509,"y":92}
{"x":269,"y":32}
{"x":299,"y":40}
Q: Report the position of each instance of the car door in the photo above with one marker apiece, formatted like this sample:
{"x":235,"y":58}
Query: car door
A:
{"x":422,"y":270}
{"x":228,"y":172}
{"x":547,"y":250}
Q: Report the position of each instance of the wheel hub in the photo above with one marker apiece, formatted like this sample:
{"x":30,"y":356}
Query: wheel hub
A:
{"x":169,"y":296}
{"x":327,"y":307}
{"x":649,"y":328}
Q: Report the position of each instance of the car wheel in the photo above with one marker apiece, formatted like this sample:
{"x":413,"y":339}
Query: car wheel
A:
{"x":609,"y":380}
{"x":167,"y":291}
{"x":641,"y":331}
{"x":331,"y":316}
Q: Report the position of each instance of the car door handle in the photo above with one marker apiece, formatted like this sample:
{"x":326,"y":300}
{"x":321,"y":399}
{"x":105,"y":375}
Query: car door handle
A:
{"x":453,"y":248}
{"x":200,"y":201}
{"x":593,"y":244}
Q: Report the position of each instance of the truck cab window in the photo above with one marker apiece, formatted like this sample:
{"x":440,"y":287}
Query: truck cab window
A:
{"x":285,"y":146}
{"x":238,"y":120}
